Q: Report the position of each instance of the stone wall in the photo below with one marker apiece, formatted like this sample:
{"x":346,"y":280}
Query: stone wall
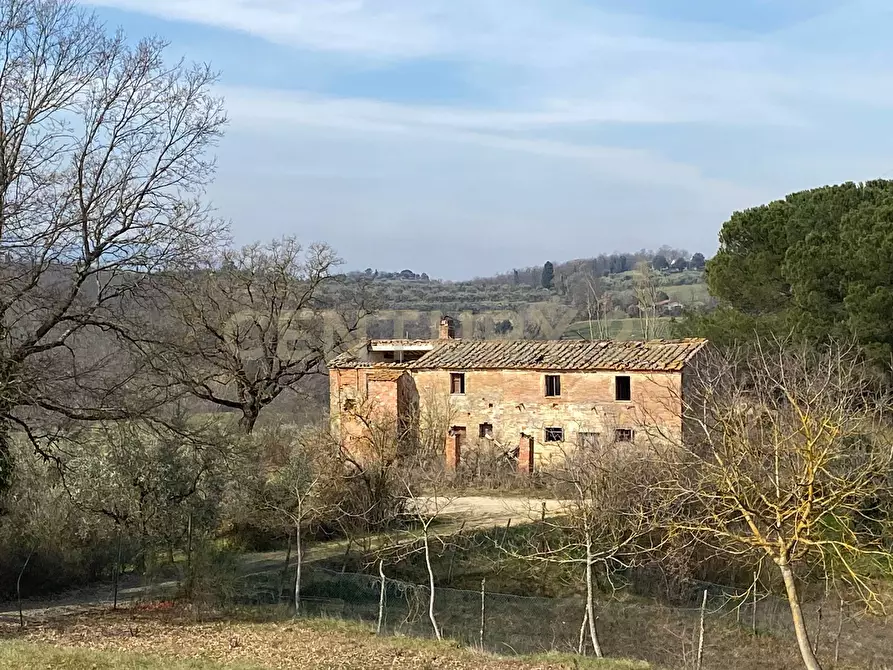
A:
{"x":514,"y":403}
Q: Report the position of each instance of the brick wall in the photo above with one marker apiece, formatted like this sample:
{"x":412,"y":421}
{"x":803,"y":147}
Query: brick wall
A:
{"x":514,"y":403}
{"x":358,"y":393}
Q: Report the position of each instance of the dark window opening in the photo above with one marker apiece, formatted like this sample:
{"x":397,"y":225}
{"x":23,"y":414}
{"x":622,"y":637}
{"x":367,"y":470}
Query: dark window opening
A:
{"x":485,"y":430}
{"x":389,"y":355}
{"x":587,"y":440}
{"x":624,"y":435}
{"x":459,"y":433}
{"x":457,"y":383}
{"x":553,"y":386}
{"x":554,"y":435}
{"x":622,"y":388}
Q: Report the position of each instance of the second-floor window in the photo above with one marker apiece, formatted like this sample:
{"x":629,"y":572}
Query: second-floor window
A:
{"x":553,"y":386}
{"x":457,"y":383}
{"x":622,"y":388}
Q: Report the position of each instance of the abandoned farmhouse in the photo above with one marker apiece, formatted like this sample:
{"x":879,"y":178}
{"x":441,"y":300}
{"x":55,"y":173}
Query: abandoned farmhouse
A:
{"x":529,"y":397}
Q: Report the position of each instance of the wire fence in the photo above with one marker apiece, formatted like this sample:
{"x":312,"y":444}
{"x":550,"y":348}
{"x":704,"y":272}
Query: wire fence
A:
{"x":749,"y":629}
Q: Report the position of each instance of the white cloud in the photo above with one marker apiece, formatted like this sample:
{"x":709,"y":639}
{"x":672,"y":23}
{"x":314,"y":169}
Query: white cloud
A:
{"x":564,"y":59}
{"x":255,"y":110}
{"x":765,"y":111}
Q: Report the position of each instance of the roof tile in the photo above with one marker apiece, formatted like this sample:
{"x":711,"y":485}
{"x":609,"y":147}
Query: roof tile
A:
{"x":650,"y":356}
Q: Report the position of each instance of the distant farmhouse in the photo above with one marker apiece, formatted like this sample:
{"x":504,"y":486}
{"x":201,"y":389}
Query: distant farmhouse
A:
{"x":532,"y":397}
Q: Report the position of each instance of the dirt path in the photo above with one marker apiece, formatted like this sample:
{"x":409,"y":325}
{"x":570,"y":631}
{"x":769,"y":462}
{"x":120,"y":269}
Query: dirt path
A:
{"x":490,"y":511}
{"x":100,"y":596}
{"x":470,"y":512}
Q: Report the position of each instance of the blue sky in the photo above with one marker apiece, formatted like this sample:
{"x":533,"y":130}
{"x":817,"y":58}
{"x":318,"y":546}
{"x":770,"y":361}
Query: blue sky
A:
{"x":465,"y":137}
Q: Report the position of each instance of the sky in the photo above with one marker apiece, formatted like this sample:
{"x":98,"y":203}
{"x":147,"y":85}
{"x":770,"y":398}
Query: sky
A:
{"x":466,"y":137}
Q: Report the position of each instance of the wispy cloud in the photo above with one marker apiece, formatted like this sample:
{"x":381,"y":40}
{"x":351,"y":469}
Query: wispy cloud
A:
{"x":655,"y":127}
{"x":562,"y":58}
{"x":251,"y":108}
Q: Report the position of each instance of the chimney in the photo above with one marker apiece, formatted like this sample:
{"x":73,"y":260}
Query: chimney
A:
{"x":447,"y":332}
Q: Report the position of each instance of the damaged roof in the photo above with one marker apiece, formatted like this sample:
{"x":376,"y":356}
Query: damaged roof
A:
{"x":650,"y":356}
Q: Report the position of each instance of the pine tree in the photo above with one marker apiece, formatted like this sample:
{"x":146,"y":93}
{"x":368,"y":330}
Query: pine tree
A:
{"x":548,"y":275}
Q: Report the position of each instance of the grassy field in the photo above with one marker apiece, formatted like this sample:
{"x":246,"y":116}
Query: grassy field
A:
{"x":132,"y":641}
{"x":690,"y":294}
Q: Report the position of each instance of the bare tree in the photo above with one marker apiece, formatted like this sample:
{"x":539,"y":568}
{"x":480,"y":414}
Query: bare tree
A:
{"x":786,"y":459}
{"x":646,"y":301}
{"x":598,"y":307}
{"x":606,"y":522}
{"x":104,"y":154}
{"x":426,"y":503}
{"x":293,"y":491}
{"x":254,"y":323}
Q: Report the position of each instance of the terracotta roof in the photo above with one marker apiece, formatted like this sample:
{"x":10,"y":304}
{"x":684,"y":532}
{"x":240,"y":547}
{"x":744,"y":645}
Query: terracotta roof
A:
{"x":651,"y":356}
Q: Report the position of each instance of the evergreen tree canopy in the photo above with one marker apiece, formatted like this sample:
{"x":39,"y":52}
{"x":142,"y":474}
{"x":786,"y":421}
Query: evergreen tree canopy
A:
{"x":818,"y":263}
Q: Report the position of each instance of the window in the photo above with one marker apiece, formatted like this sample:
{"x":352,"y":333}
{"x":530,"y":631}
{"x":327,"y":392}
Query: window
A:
{"x":622,"y":390}
{"x":389,"y":355}
{"x":554,"y":435}
{"x":587,"y":440}
{"x":623,"y":435}
{"x":553,"y":386}
{"x":457,"y":383}
{"x":485,"y":430}
{"x":459,"y":434}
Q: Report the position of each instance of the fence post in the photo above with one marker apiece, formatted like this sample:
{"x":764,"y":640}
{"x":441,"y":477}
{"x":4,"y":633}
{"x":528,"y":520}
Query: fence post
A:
{"x":381,"y":597}
{"x":19,"y":587}
{"x":701,"y":634}
{"x":117,"y":571}
{"x":483,"y":610}
{"x":506,"y":531}
{"x":753,"y":612}
{"x":839,"y":631}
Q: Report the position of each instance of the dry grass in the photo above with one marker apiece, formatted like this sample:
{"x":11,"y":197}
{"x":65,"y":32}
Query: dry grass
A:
{"x":15,"y":655}
{"x":151,"y":640}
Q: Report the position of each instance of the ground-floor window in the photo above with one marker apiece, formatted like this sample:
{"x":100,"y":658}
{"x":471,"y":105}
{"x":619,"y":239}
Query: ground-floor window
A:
{"x":624,"y":435}
{"x":554,"y":434}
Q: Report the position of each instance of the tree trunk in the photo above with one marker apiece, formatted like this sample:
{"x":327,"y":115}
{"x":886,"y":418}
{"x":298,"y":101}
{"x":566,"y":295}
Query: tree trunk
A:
{"x":283,"y":578}
{"x":581,"y":645}
{"x":249,"y":418}
{"x":590,"y":599}
{"x":5,"y":454}
{"x":381,"y":597}
{"x":700,"y":656}
{"x":431,"y":587}
{"x":809,"y":659}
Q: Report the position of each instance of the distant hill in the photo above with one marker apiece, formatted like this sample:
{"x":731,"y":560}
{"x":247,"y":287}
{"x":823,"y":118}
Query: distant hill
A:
{"x":606,"y":287}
